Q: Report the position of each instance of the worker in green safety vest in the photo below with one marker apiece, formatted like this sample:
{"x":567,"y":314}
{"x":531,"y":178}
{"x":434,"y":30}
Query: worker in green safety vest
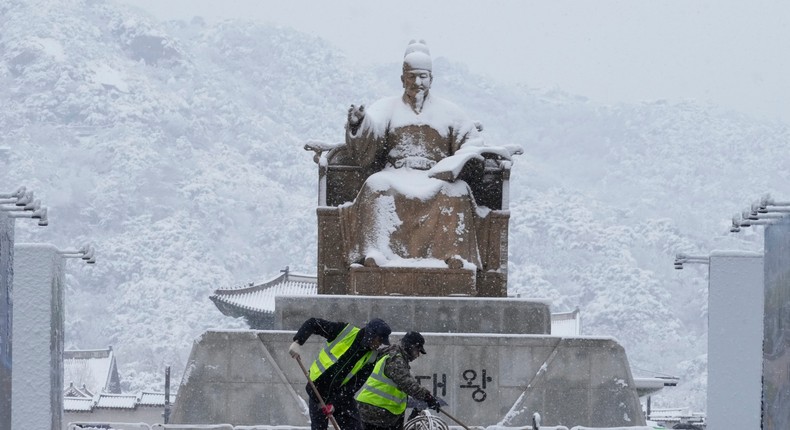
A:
{"x":382,"y":400}
{"x":341,"y":368}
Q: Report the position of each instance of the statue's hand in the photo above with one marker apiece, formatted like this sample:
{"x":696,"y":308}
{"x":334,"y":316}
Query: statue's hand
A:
{"x":355,"y":116}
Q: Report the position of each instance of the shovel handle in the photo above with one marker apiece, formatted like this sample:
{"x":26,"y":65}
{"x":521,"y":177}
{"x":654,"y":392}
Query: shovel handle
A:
{"x":454,"y":419}
{"x":321,"y":403}
{"x":317,"y":394}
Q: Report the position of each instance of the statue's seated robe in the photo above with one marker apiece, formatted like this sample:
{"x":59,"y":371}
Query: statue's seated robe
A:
{"x":414,"y":208}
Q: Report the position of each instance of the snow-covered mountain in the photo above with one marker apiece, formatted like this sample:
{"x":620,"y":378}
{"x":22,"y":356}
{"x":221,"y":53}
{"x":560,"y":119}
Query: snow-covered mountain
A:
{"x":176,"y":149}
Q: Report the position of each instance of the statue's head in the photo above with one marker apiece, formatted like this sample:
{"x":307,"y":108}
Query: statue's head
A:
{"x":417,"y":66}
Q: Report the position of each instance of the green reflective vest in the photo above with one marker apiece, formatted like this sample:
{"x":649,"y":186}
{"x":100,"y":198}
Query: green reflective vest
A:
{"x":332,"y":352}
{"x":381,"y":391}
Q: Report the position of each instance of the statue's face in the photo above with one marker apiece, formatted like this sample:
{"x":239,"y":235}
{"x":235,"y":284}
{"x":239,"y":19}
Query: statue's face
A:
{"x":416,"y":82}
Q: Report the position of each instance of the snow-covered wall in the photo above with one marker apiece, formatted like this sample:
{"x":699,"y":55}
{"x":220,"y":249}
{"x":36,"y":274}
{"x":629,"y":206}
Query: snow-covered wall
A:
{"x":37,"y":393}
{"x":6,"y":278}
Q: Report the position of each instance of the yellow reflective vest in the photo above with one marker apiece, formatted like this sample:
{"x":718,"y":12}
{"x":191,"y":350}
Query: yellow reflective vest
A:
{"x":334,"y":350}
{"x":381,"y":391}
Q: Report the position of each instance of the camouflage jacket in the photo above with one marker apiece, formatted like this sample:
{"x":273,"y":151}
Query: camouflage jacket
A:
{"x":397,"y":368}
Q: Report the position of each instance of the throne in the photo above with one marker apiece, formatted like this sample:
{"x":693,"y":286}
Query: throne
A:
{"x":339,"y":181}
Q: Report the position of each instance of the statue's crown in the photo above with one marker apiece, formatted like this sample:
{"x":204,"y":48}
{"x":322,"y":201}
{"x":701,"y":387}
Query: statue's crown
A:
{"x":417,"y":56}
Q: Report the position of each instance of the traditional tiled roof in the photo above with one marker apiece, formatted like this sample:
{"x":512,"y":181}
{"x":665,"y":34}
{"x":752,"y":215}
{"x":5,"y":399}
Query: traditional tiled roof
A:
{"x":259,"y":298}
{"x":154,"y":399}
{"x":78,"y":404}
{"x":677,"y":415}
{"x":86,"y":391}
{"x":116,"y":401}
{"x":72,"y":391}
{"x":94,"y":370}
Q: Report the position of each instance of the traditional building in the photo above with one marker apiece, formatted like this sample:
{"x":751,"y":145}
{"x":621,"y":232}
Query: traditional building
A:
{"x":255,"y":302}
{"x":94,"y":371}
{"x":93,"y":393}
{"x":104,"y":408}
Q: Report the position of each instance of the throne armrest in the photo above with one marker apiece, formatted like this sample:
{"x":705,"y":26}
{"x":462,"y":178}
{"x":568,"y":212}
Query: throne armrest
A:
{"x":339,"y":176}
{"x":488,"y":175}
{"x":320,"y":147}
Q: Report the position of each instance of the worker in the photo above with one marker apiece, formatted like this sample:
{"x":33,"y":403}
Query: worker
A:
{"x":382,"y":400}
{"x":342,"y":367}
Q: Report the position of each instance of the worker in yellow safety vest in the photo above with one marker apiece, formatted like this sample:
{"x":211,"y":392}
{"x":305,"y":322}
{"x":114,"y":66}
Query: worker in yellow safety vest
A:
{"x":341,"y":368}
{"x":382,"y":400}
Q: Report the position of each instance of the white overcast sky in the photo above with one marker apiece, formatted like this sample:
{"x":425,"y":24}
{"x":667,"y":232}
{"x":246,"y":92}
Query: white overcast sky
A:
{"x":732,"y":53}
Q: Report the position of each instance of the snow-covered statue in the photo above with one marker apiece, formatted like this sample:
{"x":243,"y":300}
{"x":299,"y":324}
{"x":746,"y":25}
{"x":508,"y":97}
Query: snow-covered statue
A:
{"x":416,"y":213}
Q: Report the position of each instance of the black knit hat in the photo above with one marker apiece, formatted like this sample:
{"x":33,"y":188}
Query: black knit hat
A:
{"x":413,"y":338}
{"x":379,"y":328}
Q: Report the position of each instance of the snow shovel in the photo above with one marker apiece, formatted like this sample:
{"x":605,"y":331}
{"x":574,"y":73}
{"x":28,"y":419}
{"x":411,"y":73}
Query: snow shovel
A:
{"x":315,"y":391}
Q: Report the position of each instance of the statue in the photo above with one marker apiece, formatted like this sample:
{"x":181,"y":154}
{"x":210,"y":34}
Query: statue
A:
{"x":415,"y":152}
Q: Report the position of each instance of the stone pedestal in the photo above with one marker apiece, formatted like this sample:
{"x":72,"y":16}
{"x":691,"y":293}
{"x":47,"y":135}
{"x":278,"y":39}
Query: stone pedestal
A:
{"x":37,"y":393}
{"x":234,"y":377}
{"x":412,"y":281}
{"x":423,"y":314}
{"x":493,"y":361}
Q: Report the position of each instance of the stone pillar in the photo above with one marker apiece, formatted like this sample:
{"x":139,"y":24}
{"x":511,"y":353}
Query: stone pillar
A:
{"x":735,"y":340}
{"x":776,"y":347}
{"x":6,"y":313}
{"x":38,"y":327}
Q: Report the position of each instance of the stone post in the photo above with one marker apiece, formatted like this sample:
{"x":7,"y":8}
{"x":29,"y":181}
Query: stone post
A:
{"x":6,"y":313}
{"x":735,"y":340}
{"x":37,"y":393}
{"x":776,"y":346}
